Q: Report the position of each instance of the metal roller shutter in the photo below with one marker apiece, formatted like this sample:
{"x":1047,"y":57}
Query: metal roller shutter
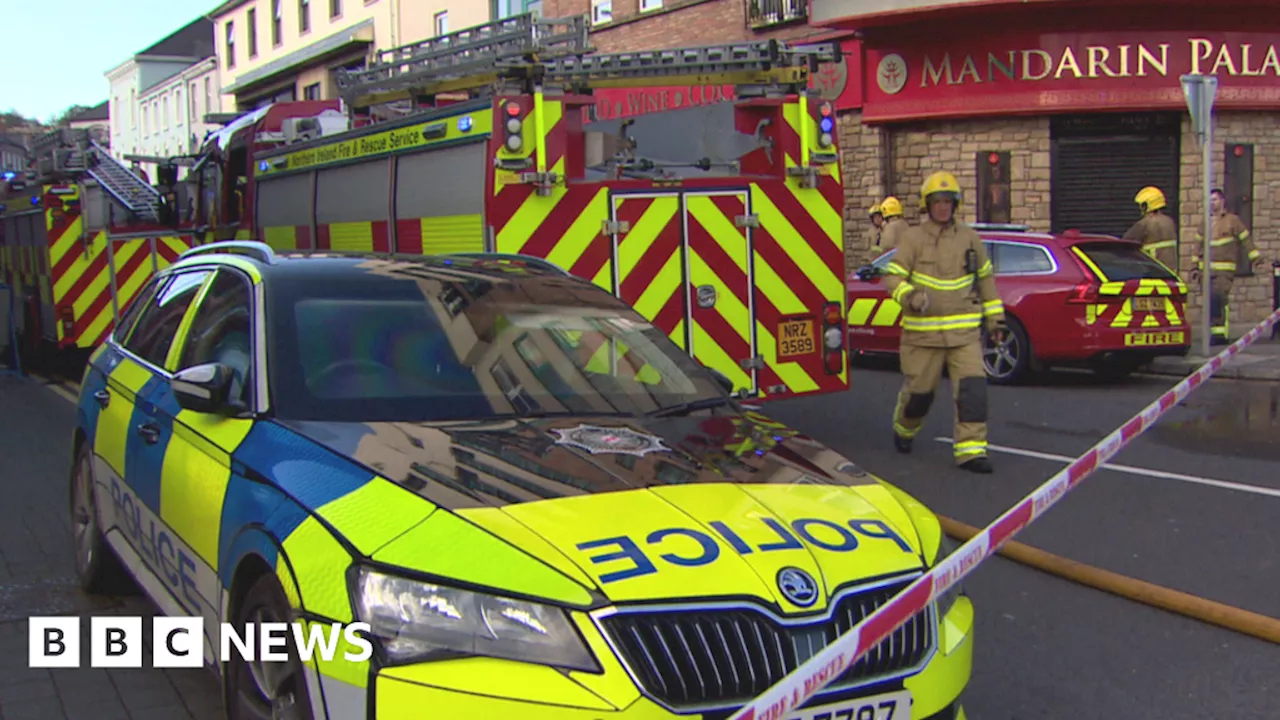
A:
{"x":1095,"y":178}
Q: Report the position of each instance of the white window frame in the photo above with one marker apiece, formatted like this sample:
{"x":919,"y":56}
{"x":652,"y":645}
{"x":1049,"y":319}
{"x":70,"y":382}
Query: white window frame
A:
{"x":440,"y":23}
{"x":601,"y":11}
{"x":648,"y":5}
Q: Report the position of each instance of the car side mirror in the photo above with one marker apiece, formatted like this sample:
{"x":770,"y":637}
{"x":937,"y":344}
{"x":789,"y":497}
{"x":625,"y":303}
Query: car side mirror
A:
{"x":721,"y":379}
{"x":206,"y":389}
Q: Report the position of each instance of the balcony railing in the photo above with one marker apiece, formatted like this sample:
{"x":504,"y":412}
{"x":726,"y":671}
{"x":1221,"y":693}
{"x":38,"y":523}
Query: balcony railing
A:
{"x":763,"y":13}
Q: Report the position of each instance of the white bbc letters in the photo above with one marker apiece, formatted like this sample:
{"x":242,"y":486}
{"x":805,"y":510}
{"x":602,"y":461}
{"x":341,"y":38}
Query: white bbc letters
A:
{"x":115,"y":642}
{"x":53,"y":642}
{"x":177,"y":642}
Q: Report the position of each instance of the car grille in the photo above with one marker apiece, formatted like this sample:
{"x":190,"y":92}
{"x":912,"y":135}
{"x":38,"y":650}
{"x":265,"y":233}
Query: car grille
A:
{"x":690,"y":659}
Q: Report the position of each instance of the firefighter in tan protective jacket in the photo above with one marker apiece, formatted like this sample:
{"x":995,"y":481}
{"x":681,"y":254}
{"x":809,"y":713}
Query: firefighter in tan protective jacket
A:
{"x":944,"y":281}
{"x":1229,"y":235}
{"x":1155,"y":230}
{"x":894,"y":226}
{"x":877,"y":227}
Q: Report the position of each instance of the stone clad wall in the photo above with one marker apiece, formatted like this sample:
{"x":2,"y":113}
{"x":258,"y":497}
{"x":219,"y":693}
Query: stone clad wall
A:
{"x":1250,"y":296}
{"x":924,"y":147}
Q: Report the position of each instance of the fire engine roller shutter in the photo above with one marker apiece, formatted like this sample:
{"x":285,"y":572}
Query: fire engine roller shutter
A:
{"x":353,"y":207}
{"x":1100,"y":162}
{"x":284,"y":211}
{"x":440,"y":200}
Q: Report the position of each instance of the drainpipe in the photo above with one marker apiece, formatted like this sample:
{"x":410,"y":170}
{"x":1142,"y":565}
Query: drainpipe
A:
{"x":887,"y":178}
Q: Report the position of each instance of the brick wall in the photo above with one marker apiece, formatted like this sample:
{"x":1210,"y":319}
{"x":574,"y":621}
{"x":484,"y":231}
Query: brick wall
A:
{"x":921,"y":149}
{"x":678,"y":23}
{"x":1250,"y":296}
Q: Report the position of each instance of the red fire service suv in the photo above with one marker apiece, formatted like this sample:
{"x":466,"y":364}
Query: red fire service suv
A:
{"x":1073,"y":299}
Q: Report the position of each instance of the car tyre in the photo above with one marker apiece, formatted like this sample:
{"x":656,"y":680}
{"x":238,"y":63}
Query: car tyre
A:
{"x":1008,"y":362}
{"x":98,"y":569}
{"x":266,"y":690}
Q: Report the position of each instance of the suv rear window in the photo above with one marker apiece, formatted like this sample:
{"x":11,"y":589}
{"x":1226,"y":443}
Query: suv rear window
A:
{"x":1122,"y":261}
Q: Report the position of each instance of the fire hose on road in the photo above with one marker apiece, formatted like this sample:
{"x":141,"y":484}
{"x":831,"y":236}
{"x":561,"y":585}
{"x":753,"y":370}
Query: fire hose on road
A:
{"x":808,"y":679}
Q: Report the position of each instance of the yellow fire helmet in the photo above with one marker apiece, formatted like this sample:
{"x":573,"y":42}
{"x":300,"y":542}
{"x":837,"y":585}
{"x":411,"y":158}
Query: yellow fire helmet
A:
{"x":874,"y":211}
{"x":891,"y":207}
{"x":940,"y":182}
{"x":1149,"y":198}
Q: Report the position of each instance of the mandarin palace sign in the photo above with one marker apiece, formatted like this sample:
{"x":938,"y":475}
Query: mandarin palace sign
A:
{"x":1070,"y":72}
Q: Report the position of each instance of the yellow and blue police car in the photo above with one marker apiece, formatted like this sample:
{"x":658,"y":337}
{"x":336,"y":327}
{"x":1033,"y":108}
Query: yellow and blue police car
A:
{"x":538,"y":502}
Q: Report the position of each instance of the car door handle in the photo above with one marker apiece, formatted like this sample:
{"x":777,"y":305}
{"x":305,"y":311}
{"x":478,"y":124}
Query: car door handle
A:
{"x":150,"y":433}
{"x":103,"y":397}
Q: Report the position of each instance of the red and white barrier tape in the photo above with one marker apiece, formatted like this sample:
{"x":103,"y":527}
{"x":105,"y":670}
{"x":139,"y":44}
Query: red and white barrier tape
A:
{"x":801,"y":684}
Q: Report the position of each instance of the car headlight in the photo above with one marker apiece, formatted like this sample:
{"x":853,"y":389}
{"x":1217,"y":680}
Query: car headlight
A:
{"x":414,"y":620}
{"x":947,"y":599}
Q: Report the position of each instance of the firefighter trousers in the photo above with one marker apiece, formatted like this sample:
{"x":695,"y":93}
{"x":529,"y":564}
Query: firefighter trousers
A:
{"x":1220,"y":306}
{"x":922,"y":369}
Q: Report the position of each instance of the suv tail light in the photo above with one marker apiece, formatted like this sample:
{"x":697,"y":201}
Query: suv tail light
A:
{"x":1084,"y":293}
{"x":833,"y":339}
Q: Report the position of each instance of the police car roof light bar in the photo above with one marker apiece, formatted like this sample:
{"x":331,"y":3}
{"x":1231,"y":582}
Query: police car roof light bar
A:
{"x":260,"y":250}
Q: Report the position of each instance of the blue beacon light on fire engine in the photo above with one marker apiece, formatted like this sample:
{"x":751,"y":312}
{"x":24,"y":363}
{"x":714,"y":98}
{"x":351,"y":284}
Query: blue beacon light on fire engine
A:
{"x":827,"y":125}
{"x":464,"y":123}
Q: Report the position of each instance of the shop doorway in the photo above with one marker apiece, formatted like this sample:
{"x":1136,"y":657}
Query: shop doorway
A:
{"x":1100,"y":161}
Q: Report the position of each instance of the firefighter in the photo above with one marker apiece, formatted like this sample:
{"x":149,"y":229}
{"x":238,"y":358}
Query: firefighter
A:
{"x":1229,"y":233}
{"x":1155,"y":230}
{"x":894,"y":224}
{"x":877,"y":225}
{"x":945,"y":283}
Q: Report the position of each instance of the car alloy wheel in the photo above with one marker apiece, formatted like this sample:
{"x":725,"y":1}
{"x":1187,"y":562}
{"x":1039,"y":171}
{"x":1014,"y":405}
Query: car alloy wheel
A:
{"x":84,"y":518}
{"x":1001,"y":359}
{"x":262,"y":690}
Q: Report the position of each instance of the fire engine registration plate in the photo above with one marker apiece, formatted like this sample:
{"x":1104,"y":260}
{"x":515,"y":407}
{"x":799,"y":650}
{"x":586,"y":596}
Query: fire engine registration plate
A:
{"x":1155,"y":338}
{"x":795,"y":338}
{"x":1149,"y":304}
{"x":889,"y":706}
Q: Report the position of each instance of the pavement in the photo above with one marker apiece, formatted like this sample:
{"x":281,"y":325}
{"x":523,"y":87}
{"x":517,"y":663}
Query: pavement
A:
{"x":37,"y":577}
{"x":1259,"y":361}
{"x":1190,"y":505}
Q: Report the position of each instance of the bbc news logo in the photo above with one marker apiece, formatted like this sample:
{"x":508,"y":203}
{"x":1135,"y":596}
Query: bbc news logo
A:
{"x":178,"y":642}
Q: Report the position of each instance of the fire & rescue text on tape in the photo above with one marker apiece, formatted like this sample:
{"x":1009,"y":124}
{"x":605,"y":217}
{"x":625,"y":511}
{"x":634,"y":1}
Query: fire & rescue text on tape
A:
{"x":177,"y":642}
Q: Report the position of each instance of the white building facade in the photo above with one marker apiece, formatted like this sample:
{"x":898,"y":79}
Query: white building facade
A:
{"x":172,"y":112}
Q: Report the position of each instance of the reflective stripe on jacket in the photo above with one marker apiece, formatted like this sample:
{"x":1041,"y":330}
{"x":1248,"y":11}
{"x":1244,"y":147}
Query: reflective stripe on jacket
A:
{"x":1228,"y":230}
{"x":931,"y":259}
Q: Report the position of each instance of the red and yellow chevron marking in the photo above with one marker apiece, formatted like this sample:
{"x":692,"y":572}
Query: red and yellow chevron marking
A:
{"x":874,"y":312}
{"x":650,"y":267}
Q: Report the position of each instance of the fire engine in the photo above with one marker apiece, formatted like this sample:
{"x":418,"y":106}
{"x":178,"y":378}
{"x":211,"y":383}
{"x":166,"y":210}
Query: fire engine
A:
{"x":721,"y":224}
{"x":80,"y":234}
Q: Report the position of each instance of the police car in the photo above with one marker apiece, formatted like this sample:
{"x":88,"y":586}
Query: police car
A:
{"x":537,"y":502}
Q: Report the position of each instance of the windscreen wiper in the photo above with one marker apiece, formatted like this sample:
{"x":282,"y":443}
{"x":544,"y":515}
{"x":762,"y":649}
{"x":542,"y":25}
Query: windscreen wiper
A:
{"x":688,"y":407}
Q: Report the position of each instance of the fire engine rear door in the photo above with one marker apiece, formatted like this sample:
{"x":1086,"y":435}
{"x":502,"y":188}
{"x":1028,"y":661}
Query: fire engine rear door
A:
{"x":719,"y":278}
{"x":648,"y":259}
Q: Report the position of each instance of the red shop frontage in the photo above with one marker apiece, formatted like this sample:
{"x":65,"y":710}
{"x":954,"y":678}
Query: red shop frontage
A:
{"x":1054,"y":115}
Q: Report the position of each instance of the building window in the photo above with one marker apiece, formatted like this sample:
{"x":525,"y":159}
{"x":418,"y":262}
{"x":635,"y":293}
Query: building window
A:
{"x":195,"y":110}
{"x":177,"y":107}
{"x":647,"y":5}
{"x":253,"y":32}
{"x":144,"y":122}
{"x":231,"y":44}
{"x":311,"y":92}
{"x":164,"y":114}
{"x":601,"y":11}
{"x":335,"y":9}
{"x":304,"y":16}
{"x":208,"y":97}
{"x":277,"y":23}
{"x":442,"y":23}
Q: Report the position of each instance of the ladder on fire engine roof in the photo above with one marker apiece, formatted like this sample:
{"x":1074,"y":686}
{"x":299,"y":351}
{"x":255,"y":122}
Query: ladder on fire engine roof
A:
{"x":72,"y":154}
{"x":529,"y":51}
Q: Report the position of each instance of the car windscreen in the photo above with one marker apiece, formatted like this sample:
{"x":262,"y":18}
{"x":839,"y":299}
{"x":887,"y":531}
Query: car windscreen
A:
{"x":386,"y":350}
{"x":1125,"y":261}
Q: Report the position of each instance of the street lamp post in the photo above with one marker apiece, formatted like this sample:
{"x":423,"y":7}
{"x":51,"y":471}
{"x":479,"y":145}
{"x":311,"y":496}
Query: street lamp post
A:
{"x":1200,"y":92}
